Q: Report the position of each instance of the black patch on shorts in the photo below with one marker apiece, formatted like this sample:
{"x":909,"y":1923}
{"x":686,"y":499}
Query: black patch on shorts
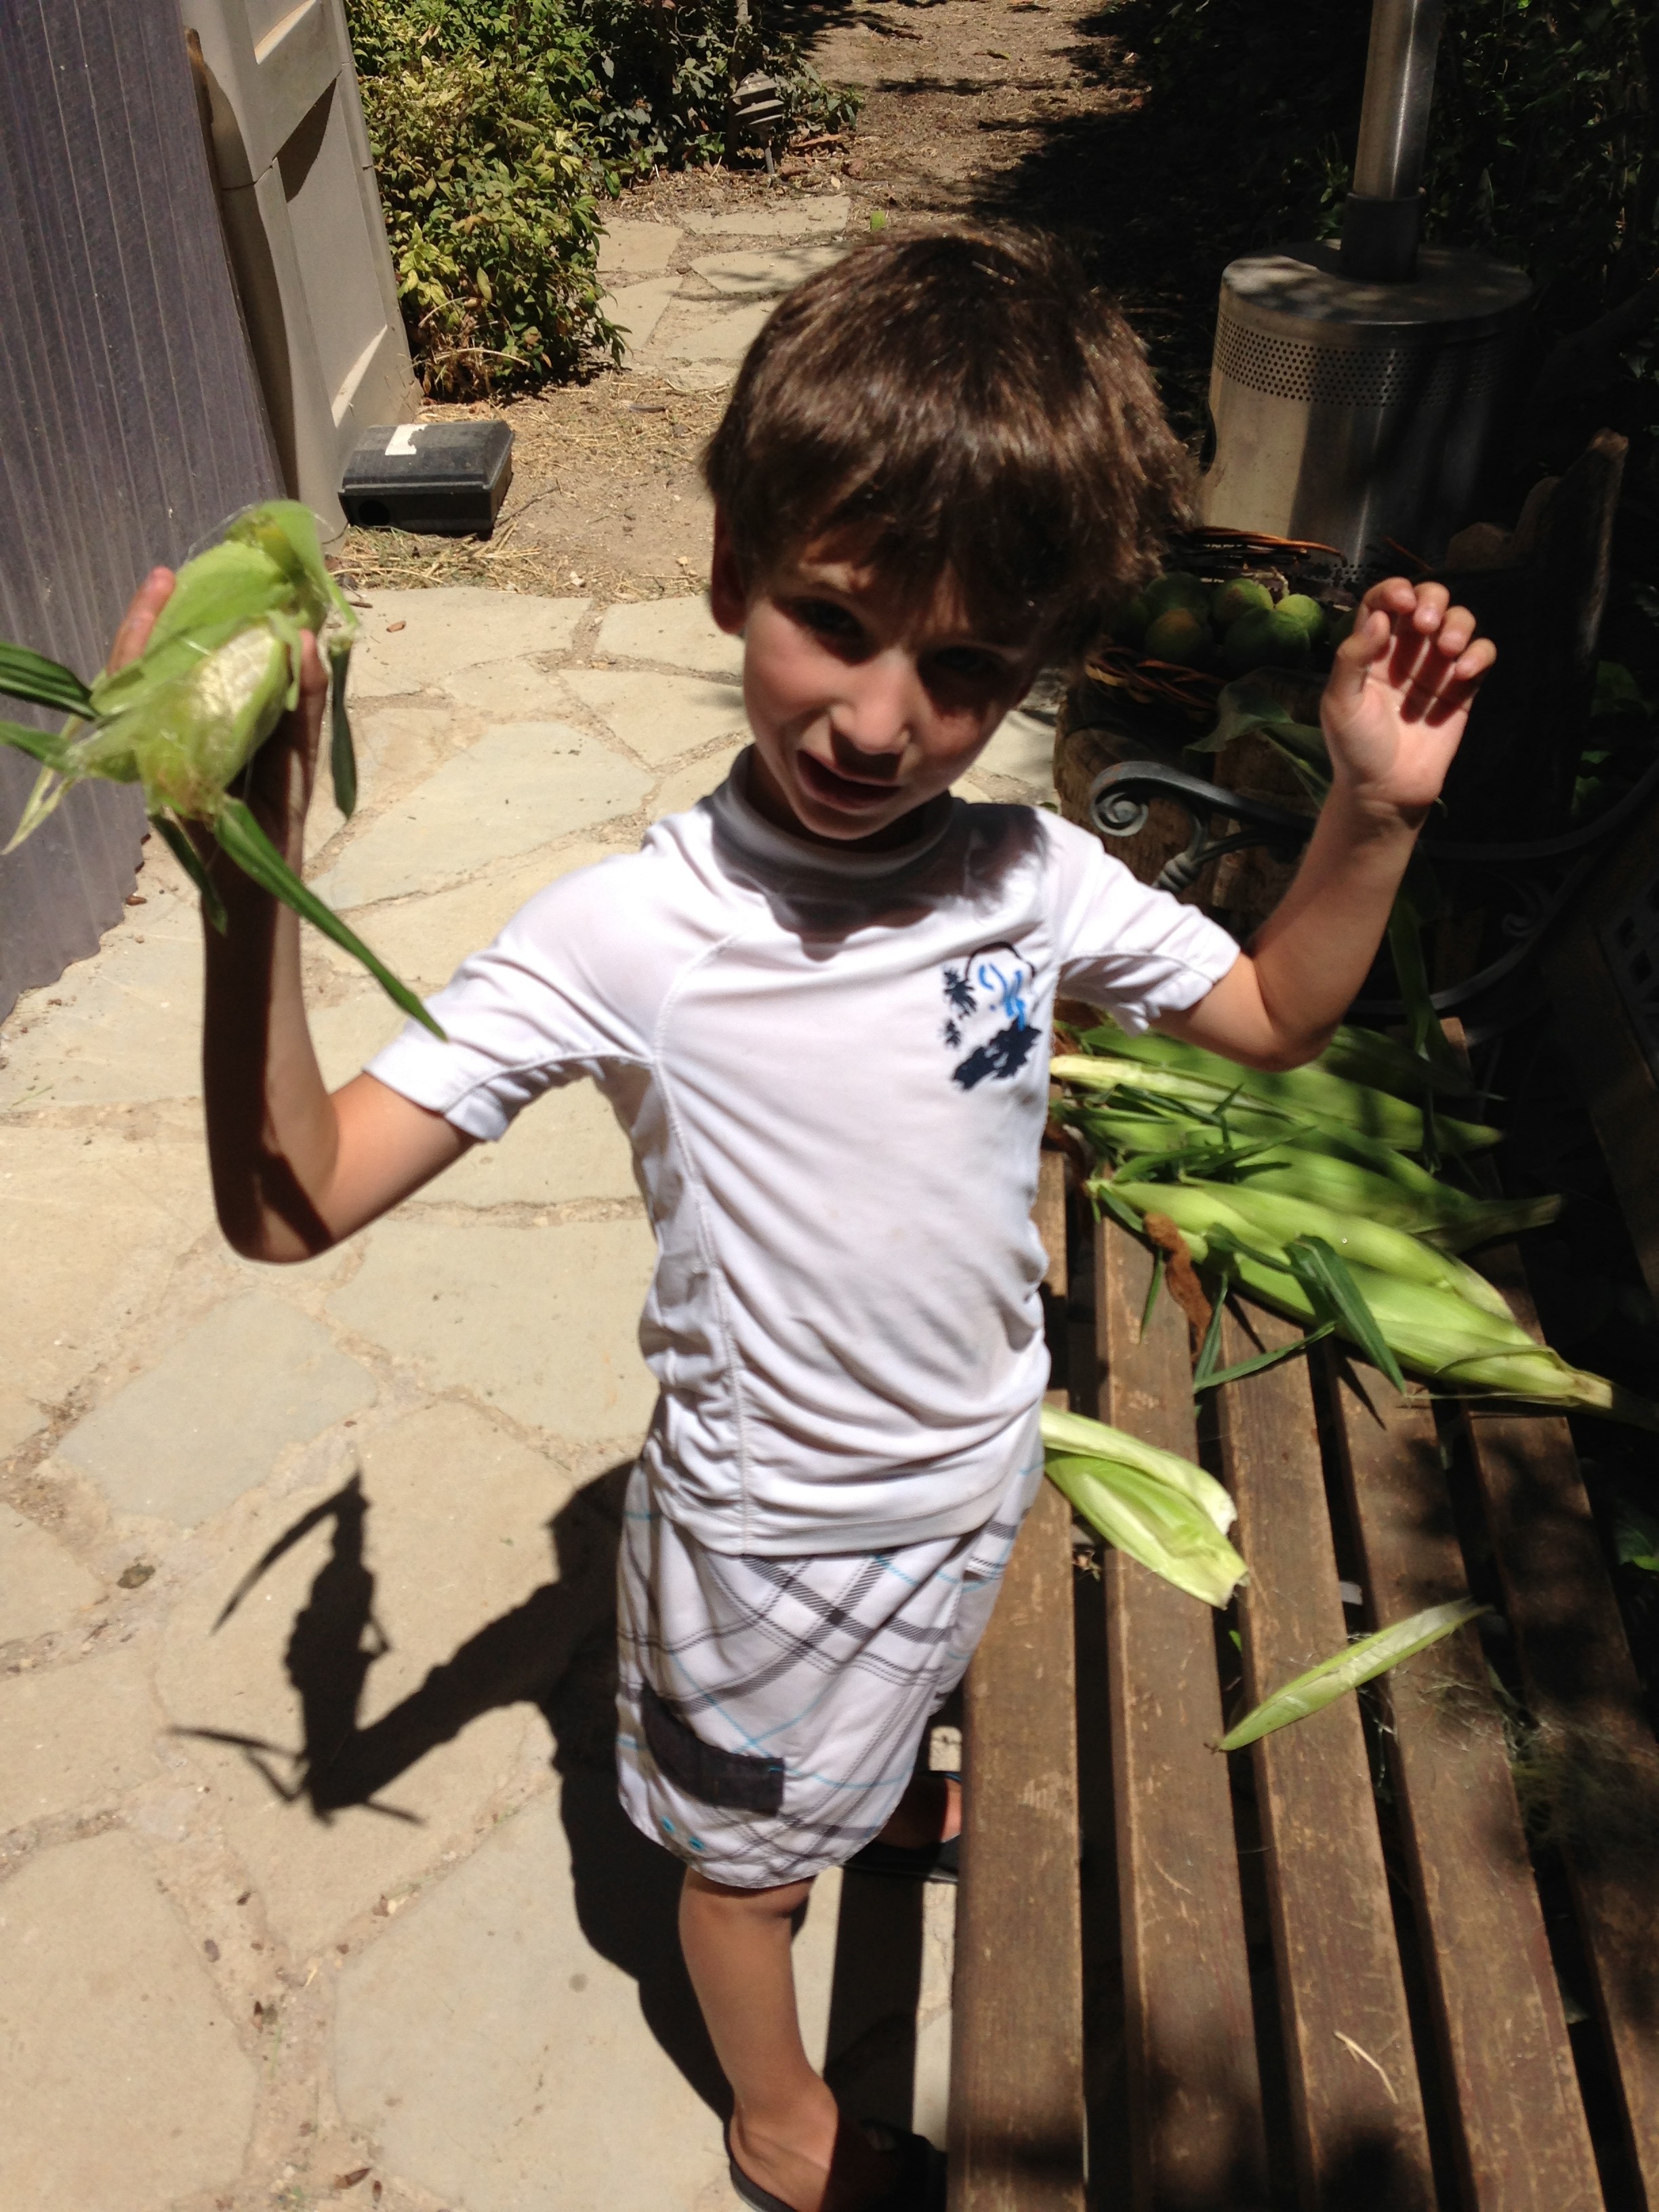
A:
{"x":735,"y":1781}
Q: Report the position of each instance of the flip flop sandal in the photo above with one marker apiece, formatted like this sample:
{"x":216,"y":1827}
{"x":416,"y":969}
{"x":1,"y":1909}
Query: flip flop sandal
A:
{"x":911,"y":1861}
{"x":919,"y":2185}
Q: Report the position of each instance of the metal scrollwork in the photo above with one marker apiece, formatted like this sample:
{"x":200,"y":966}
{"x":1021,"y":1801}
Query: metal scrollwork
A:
{"x":1531,"y":885}
{"x":1120,"y":804}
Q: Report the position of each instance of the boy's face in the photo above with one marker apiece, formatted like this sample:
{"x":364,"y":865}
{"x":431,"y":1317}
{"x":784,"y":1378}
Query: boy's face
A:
{"x":861,"y":715}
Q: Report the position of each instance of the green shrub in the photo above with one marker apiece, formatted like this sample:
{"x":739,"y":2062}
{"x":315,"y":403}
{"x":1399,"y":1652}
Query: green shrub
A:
{"x":499,"y":125}
{"x":488,"y":181}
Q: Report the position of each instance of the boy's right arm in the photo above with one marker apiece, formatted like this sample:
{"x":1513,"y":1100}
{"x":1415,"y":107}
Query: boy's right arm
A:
{"x":294,"y":1168}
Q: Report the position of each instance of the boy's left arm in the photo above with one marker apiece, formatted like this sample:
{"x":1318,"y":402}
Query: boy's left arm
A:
{"x":1394,"y":710}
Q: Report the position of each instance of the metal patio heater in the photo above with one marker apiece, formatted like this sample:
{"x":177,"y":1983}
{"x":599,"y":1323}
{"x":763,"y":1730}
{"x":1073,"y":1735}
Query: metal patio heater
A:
{"x":1354,"y":387}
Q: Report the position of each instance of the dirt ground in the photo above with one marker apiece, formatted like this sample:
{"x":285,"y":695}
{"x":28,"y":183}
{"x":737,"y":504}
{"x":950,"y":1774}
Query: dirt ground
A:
{"x":1027,"y":109}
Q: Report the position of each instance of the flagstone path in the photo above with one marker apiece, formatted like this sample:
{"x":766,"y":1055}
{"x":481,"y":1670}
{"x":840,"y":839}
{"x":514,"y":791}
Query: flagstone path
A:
{"x":312,"y":1885}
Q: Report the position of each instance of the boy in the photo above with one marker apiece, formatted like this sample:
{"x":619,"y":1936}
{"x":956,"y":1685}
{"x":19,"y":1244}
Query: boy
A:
{"x":820,"y":1002}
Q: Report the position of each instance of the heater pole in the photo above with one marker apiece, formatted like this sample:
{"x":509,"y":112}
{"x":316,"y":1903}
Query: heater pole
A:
{"x":1384,"y":213}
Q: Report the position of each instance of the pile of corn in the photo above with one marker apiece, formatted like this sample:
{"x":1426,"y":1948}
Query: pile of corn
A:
{"x":183,"y":721}
{"x":1308,"y":1191}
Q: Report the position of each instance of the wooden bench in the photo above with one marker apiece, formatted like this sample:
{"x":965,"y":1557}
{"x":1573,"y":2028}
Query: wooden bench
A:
{"x":1321,"y":1973}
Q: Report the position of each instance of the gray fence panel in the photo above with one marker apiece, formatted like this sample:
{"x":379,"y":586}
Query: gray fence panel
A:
{"x":133,"y":423}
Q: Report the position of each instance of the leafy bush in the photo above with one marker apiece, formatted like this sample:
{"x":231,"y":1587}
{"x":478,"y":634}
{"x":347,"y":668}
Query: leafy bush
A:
{"x":497,"y":127}
{"x":487,"y":187}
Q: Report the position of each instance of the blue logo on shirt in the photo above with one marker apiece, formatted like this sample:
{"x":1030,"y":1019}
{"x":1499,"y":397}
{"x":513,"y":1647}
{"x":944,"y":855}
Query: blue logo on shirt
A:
{"x":987,"y":1017}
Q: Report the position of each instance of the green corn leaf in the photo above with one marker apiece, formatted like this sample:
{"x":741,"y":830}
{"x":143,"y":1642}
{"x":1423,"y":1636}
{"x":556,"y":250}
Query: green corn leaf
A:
{"x":45,"y":798}
{"x":1105,"y":1197}
{"x":1260,"y":1361}
{"x":1429,"y":1041}
{"x":191,"y":861}
{"x":1152,"y":1290}
{"x":1210,"y":1351}
{"x":1326,"y":1277}
{"x":1367,"y":1056}
{"x":26,"y":675}
{"x":1362,"y":1662}
{"x":341,"y":753}
{"x":44,"y":745}
{"x":254,"y":853}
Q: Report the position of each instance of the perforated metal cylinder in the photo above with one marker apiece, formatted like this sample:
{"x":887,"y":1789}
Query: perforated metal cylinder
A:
{"x":1358,"y":414}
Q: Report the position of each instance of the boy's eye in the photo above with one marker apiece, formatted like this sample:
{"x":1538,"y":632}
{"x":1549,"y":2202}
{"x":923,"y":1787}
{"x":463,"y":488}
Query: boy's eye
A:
{"x":967,"y":666}
{"x":965,"y":660}
{"x":828,"y":621}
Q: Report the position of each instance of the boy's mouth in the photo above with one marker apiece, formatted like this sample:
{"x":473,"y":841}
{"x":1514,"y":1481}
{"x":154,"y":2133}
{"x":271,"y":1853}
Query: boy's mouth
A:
{"x":849,"y":793}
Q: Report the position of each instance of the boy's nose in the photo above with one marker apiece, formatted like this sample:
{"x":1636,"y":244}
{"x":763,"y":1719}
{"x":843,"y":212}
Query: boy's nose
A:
{"x":875,"y":715}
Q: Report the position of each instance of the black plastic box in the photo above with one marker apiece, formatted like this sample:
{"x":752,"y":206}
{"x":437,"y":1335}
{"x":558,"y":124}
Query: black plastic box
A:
{"x":447,"y":478}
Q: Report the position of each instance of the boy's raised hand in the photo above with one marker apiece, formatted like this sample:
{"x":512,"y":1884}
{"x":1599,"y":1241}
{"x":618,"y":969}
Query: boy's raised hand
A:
{"x":1399,"y":696}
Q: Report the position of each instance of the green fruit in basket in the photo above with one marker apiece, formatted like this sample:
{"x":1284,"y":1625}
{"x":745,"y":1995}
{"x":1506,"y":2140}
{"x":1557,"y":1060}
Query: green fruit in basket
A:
{"x":1268,"y":638}
{"x":1296,"y":606}
{"x":1339,"y":624}
{"x":1177,"y":589}
{"x":1181,"y":635}
{"x":1240,"y":595}
{"x":1129,"y":623}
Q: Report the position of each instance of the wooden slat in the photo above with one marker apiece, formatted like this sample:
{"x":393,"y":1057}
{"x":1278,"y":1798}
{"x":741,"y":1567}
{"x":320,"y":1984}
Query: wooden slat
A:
{"x":1523,"y":2145}
{"x":1016,"y":2130}
{"x":1017,"y":2092}
{"x":1356,"y":2109}
{"x":1195,"y":2093}
{"x":1582,"y":1686}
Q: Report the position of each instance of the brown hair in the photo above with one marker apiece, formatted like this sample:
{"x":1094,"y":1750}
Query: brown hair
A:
{"x":958,"y":403}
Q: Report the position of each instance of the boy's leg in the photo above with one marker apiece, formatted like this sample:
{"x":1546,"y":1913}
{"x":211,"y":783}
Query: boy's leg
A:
{"x":786,"y":2131}
{"x":930,"y":1812}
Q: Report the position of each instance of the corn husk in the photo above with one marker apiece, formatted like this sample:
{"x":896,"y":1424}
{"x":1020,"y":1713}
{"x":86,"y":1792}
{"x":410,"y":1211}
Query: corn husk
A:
{"x":221,"y":668}
{"x":1159,"y":1508}
{"x":1271,"y":1220}
{"x":1435,"y":1334}
{"x":1347,"y":1172}
{"x":1362,"y":1661}
{"x":1180,"y":1072}
{"x":1367,"y":1056}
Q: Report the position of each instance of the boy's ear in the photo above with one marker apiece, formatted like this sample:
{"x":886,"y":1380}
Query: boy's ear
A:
{"x":728,"y":601}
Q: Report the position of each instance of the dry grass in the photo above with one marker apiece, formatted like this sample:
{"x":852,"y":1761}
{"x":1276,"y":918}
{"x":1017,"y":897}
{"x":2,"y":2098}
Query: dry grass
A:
{"x":585,"y":458}
{"x":395,"y":560}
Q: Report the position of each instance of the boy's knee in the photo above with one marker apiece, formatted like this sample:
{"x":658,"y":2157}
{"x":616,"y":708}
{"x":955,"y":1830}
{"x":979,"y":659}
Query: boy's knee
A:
{"x":700,"y":1895}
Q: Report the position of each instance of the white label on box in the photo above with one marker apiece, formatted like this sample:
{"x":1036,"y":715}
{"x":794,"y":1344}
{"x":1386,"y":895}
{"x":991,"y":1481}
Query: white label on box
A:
{"x":402,"y":439}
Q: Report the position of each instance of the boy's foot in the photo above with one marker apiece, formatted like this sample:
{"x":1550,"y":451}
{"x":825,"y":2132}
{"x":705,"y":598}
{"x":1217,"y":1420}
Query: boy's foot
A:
{"x":920,"y":1842}
{"x":875,"y":2170}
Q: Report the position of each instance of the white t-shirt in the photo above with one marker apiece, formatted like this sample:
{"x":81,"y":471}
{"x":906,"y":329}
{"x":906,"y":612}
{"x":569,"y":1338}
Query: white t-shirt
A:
{"x":833,"y":1067}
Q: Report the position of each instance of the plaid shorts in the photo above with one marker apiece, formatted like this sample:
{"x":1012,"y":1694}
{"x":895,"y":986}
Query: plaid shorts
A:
{"x":770,"y":1710}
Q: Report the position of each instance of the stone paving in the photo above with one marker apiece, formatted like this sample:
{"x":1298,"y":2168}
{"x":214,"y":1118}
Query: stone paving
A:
{"x":315,"y":1888}
{"x":690,"y":313}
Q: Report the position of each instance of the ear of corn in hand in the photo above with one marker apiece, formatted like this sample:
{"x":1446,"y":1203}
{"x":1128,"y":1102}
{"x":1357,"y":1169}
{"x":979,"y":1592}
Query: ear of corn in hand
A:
{"x":1159,"y":1508}
{"x":220,"y":668}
